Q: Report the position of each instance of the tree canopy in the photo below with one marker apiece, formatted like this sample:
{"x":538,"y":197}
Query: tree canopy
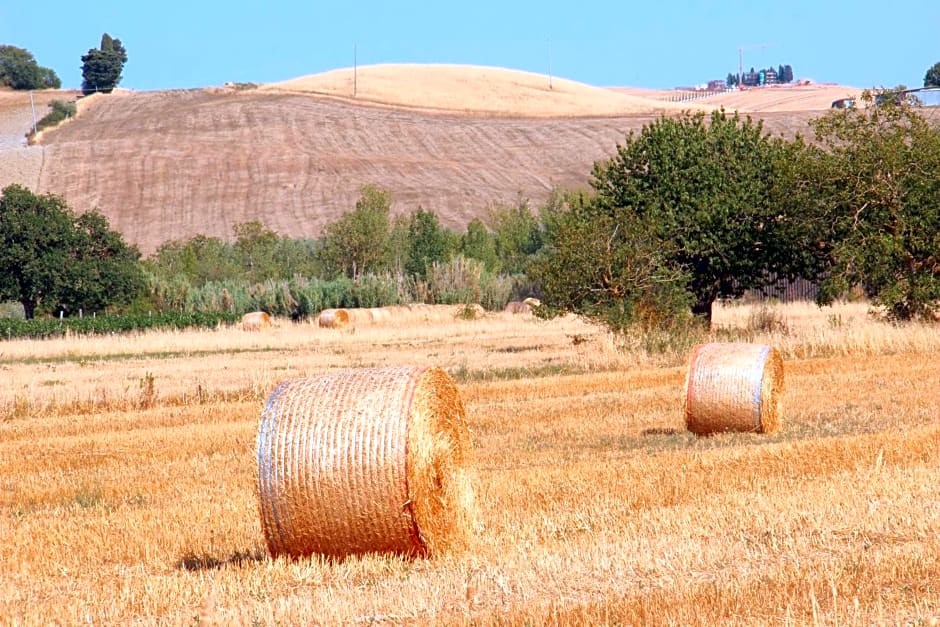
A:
{"x":873,"y":188}
{"x":19,"y":70}
{"x":52,"y":259}
{"x":705,"y":194}
{"x":102,"y":67}
{"x":932,"y":77}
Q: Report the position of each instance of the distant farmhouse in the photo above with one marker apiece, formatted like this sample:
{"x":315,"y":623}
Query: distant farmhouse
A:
{"x":759,"y":78}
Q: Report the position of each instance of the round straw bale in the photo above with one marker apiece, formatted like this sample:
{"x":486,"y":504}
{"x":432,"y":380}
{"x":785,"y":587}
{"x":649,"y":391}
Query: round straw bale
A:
{"x":380,"y":314}
{"x":733,"y":387}
{"x":517,"y":307}
{"x":532,"y":302}
{"x":368,"y":460}
{"x":256,"y":320}
{"x":333,"y":318}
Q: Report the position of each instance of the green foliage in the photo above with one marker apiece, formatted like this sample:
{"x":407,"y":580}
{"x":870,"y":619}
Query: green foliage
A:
{"x":874,"y":186}
{"x":478,"y":243}
{"x":61,"y":110}
{"x":463,"y":280}
{"x":358,"y":243}
{"x":703,"y":200}
{"x":102,"y":67}
{"x":51,"y":259}
{"x":932,"y":77}
{"x":516,"y":234}
{"x":19,"y":70}
{"x":428,"y":242}
{"x":613,"y":269}
{"x":40,"y":328}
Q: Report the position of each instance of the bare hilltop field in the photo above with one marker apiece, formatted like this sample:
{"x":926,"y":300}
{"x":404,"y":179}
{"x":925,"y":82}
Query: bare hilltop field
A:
{"x":294,"y":155}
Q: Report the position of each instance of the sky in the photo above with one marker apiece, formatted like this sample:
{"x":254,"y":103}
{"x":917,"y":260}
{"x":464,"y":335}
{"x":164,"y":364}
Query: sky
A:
{"x":655,"y":44}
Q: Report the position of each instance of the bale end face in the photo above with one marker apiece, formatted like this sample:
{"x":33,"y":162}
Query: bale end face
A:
{"x":333,"y":318}
{"x":733,"y":387}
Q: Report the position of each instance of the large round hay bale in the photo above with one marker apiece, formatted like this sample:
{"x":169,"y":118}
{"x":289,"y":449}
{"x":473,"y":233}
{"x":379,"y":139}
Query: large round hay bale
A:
{"x":368,"y":460}
{"x":733,"y":387}
{"x":333,"y":318}
{"x":256,"y":320}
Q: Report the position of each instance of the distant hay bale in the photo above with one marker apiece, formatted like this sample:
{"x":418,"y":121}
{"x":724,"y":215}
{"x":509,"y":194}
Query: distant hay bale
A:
{"x":733,"y":387}
{"x":368,"y":460}
{"x":517,"y":307}
{"x":333,"y":318}
{"x":532,"y":302}
{"x":256,"y":320}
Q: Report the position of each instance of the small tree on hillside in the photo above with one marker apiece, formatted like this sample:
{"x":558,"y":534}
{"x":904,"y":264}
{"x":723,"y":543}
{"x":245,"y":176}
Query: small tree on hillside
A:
{"x":932,"y":78}
{"x":102,"y":67}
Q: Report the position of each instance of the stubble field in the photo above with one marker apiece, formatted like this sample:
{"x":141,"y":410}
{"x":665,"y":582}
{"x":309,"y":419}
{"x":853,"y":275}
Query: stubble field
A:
{"x":127,"y":480}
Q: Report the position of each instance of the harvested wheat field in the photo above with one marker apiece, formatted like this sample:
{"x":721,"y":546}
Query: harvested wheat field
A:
{"x":454,"y":139}
{"x":128,"y":480}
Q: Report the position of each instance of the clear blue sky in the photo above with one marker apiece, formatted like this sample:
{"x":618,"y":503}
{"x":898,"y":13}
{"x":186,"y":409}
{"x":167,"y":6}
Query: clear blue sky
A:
{"x":652,"y":43}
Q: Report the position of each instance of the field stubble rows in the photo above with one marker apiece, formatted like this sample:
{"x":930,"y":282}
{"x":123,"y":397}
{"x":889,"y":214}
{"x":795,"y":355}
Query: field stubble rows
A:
{"x":596,"y":505}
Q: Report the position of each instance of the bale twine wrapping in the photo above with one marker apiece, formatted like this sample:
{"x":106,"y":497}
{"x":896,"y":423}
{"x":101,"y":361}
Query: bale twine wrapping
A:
{"x":733,"y":387}
{"x":368,"y":460}
{"x":333,"y":318}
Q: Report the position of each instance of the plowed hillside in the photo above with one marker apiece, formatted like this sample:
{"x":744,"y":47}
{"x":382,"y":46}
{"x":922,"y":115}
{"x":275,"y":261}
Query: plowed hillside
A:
{"x":168,"y":165}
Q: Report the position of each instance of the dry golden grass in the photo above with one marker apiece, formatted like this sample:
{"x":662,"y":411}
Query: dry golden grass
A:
{"x":475,"y":90}
{"x":595,"y":505}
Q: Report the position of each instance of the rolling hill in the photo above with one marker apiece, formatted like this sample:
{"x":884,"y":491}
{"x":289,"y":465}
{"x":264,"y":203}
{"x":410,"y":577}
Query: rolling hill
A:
{"x":294,"y":155}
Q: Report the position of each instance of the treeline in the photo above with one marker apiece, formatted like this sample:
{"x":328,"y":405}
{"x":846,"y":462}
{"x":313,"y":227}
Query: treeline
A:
{"x":688,"y":210}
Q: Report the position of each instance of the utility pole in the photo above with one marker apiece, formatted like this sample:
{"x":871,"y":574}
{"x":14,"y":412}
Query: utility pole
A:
{"x":355,"y":70}
{"x":550,"y":64}
{"x":32,"y":106}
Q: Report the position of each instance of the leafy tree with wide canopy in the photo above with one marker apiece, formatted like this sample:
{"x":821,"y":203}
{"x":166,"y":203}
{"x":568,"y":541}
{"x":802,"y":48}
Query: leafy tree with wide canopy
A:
{"x":52,"y":259}
{"x":873,"y":187}
{"x":688,"y":202}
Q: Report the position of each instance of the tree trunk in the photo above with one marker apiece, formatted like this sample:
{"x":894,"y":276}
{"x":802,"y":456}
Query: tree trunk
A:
{"x":29,"y":308}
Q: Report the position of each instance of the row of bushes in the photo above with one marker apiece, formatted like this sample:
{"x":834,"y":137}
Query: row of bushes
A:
{"x":41,"y":328}
{"x":460,"y":280}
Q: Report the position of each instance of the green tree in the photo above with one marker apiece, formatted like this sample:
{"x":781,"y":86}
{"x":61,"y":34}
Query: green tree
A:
{"x":477,"y":243}
{"x":358,"y":243}
{"x":51,"y":258}
{"x":19,"y":70}
{"x":257,"y":246}
{"x":874,"y":186}
{"x":611,"y":267}
{"x":516,"y":234}
{"x":428,"y":242}
{"x":932,"y":77}
{"x":102,"y":67}
{"x":102,"y":270}
{"x":198,"y":260}
{"x":707,"y":196}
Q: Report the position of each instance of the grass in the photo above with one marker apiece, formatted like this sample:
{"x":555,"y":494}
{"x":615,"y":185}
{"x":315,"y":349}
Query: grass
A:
{"x":597,"y":507}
